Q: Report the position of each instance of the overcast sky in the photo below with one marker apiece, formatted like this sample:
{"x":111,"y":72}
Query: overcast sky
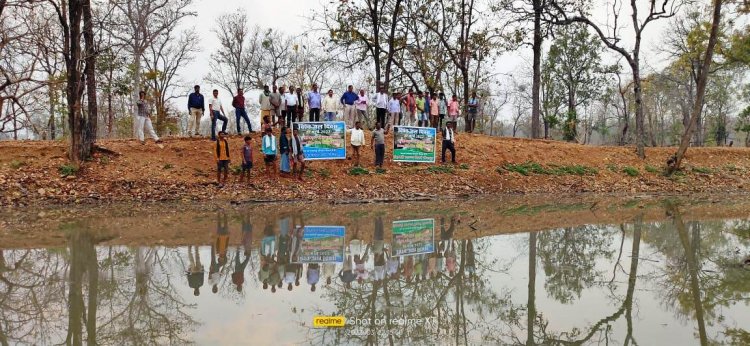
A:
{"x":290,"y":16}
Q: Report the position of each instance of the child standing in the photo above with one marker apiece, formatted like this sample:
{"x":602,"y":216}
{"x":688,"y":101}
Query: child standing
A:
{"x":221,"y":154}
{"x":269,"y":152}
{"x":247,"y":159}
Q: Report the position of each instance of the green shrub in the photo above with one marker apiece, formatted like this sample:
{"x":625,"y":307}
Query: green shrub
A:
{"x":168,"y":166}
{"x":463,"y":166}
{"x":631,"y":171}
{"x":535,"y":168}
{"x":236,"y":170}
{"x":574,"y":170}
{"x":702,"y":170}
{"x":104,"y":160}
{"x":612,"y":167}
{"x":380,"y":170}
{"x":440,"y":169}
{"x":652,"y":169}
{"x":358,"y":171}
{"x":324,"y":172}
{"x":68,"y":170}
{"x":16,"y":164}
{"x":731,"y":168}
{"x":309,"y":173}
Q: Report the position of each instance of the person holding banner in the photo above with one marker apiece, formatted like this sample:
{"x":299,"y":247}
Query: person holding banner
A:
{"x":269,"y":152}
{"x":298,"y":155}
{"x":449,"y":141}
{"x":357,"y":139}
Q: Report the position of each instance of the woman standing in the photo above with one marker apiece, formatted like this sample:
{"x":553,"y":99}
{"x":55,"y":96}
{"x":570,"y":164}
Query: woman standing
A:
{"x":284,"y":150}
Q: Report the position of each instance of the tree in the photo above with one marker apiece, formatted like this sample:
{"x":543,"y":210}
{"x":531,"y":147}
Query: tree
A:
{"x":656,"y":10}
{"x":701,"y":89}
{"x":574,"y":63}
{"x":237,"y":62}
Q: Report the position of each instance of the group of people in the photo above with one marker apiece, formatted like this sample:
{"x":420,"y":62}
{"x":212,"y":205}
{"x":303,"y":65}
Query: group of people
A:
{"x":279,"y":251}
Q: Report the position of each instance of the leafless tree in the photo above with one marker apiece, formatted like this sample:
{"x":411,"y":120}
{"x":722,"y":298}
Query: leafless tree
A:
{"x":236,"y":64}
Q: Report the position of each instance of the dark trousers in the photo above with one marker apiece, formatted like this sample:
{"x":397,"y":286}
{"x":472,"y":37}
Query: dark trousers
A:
{"x":379,"y":154}
{"x":288,"y":114}
{"x":224,"y":120}
{"x":314,"y":114}
{"x":380,"y":116}
{"x":241,"y":113}
{"x":448,"y":145}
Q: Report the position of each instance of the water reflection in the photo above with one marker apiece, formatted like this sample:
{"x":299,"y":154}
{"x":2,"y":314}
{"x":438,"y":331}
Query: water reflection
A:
{"x":396,"y":280}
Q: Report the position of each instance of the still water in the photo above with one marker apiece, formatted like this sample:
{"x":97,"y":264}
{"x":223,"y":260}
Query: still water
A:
{"x":392,"y":279}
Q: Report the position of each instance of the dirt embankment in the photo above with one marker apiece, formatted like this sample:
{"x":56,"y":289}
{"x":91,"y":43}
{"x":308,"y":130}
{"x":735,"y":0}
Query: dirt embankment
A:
{"x":31,"y":173}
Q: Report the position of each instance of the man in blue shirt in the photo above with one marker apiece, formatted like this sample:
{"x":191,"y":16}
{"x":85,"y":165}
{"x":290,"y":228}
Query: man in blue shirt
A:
{"x":313,"y":101}
{"x":196,"y":109}
{"x":350,"y":111}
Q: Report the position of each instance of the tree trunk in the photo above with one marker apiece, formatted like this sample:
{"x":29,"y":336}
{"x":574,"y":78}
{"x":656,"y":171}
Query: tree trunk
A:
{"x":537,"y":79}
{"x":52,"y":102}
{"x":74,"y":85}
{"x":531,"y":296}
{"x":465,"y":81}
{"x":639,"y":126}
{"x":90,"y":72}
{"x":701,"y":91}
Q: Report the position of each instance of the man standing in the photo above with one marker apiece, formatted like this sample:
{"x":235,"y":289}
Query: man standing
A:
{"x":144,"y":119}
{"x":313,"y":101}
{"x":238,"y":102}
{"x":471,"y":118}
{"x":265,"y":103}
{"x":381,"y":106}
{"x":298,"y":154}
{"x":300,"y":110}
{"x":196,"y":108}
{"x":217,"y":113}
{"x":348,"y":100}
{"x":275,"y":99}
{"x":449,"y":141}
{"x":329,"y":106}
{"x":362,"y":103}
{"x":291,"y":106}
{"x":378,"y":144}
{"x":411,"y":108}
{"x":394,"y":108}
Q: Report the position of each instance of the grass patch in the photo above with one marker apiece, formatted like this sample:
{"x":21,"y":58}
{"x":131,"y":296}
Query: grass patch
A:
{"x":104,"y":160}
{"x":68,"y":170}
{"x":613,"y":167}
{"x":235,"y":170}
{"x":703,"y":170}
{"x":358,"y":171}
{"x":168,"y":166}
{"x":652,"y":169}
{"x":441,"y":170}
{"x":309,"y":173}
{"x":631,"y":171}
{"x":463,"y":166}
{"x":324,"y":173}
{"x":731,"y":168}
{"x":16,"y":164}
{"x":380,"y":170}
{"x":535,"y":168}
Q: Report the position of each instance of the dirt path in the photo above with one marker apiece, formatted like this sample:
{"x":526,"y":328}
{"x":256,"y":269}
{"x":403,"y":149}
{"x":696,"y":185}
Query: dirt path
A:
{"x":183,"y":170}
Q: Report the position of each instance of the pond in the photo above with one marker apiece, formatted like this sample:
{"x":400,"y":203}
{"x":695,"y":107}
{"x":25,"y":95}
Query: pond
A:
{"x":651,"y":272}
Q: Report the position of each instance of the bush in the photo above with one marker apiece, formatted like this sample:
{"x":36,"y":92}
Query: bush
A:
{"x":652,"y":169}
{"x":324,"y":172}
{"x":168,"y":166}
{"x":612,"y":167}
{"x":464,"y":166}
{"x":440,"y":170}
{"x":574,"y":170}
{"x":535,"y":168}
{"x":702,"y":170}
{"x":358,"y":171}
{"x":68,"y":170}
{"x":380,"y":170}
{"x":631,"y":171}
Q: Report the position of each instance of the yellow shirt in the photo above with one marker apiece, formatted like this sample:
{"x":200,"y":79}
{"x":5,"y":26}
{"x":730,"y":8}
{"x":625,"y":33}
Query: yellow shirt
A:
{"x":221,"y":152}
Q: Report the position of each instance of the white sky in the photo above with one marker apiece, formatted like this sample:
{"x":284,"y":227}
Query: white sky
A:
{"x":289,"y":16}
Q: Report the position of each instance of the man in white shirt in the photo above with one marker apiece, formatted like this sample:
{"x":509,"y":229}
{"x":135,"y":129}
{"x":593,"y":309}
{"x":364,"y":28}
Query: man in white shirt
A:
{"x":217,"y":112}
{"x":291,"y":105}
{"x":381,"y":106}
{"x":330,"y":105}
{"x":449,"y":141}
{"x":357,"y":139}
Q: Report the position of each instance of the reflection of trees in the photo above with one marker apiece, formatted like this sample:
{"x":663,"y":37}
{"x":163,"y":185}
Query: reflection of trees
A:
{"x":569,"y":258}
{"x":102,"y":302}
{"x":464,"y":308}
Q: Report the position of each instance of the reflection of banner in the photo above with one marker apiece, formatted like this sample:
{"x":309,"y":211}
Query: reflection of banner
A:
{"x":414,"y":144}
{"x":323,"y":140}
{"x":413,"y":237}
{"x":322,"y":244}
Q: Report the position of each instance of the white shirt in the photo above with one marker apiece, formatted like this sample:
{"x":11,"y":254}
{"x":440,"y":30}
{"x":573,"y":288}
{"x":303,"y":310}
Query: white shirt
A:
{"x":381,"y":100}
{"x":330,"y":104}
{"x":291,"y":99}
{"x":215,"y":103}
{"x":362,"y":103}
{"x":358,"y":137}
{"x":448,"y":134}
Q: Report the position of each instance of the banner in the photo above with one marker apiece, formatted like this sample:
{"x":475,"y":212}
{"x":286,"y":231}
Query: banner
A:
{"x":323,"y":140}
{"x":413,"y":237}
{"x":322,"y":244}
{"x":414,"y":144}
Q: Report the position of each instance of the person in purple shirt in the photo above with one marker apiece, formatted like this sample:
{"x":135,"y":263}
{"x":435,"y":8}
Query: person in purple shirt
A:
{"x":313,"y":101}
{"x":350,"y":111}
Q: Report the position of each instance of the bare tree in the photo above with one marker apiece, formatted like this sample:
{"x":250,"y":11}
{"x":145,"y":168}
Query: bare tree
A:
{"x":238,"y":61}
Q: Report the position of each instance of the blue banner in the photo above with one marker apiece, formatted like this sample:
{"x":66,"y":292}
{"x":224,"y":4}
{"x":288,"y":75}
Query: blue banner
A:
{"x":323,"y":140}
{"x":322,"y":244}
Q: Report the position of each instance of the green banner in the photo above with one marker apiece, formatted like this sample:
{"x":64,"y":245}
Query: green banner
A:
{"x":414,"y":144}
{"x":413,"y":237}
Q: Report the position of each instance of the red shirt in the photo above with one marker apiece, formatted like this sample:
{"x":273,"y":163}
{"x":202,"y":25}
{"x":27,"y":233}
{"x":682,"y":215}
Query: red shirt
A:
{"x":238,"y":101}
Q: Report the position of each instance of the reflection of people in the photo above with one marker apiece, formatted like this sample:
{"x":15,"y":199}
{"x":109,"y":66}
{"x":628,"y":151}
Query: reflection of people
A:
{"x":378,"y":249}
{"x":328,"y":271}
{"x":470,"y":258}
{"x":218,"y":248}
{"x":346,"y":275}
{"x":196,"y":273}
{"x":313,"y":275}
{"x":238,"y":276}
{"x":392,"y":264}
